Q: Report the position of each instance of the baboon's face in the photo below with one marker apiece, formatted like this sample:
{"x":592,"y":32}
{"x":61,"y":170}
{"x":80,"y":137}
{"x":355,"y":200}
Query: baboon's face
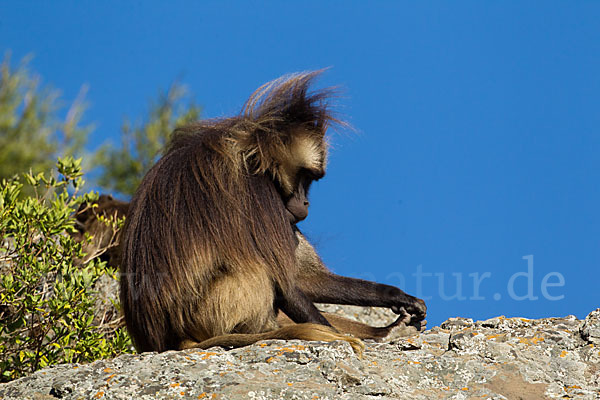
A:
{"x":297,"y":203}
{"x":305,"y":165}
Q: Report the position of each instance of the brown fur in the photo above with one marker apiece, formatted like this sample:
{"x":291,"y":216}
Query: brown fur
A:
{"x":309,"y":265}
{"x":310,"y":268}
{"x":207,"y":245}
{"x":210,"y":248}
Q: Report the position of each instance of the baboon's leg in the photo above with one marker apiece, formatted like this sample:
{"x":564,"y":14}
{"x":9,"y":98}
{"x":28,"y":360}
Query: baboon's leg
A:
{"x":238,"y":302}
{"x":354,"y":328}
{"x":307,"y":331}
{"x":238,"y":311}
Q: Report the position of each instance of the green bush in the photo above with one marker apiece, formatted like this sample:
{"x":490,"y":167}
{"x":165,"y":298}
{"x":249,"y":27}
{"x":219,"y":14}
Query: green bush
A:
{"x":48,"y":300}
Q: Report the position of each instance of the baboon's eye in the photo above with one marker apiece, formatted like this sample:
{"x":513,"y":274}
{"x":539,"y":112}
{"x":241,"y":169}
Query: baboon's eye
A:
{"x":312,"y":174}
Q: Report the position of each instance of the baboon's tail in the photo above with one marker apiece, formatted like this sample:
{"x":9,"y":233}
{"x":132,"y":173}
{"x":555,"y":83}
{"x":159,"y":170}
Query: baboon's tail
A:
{"x":354,"y":328}
{"x":306,"y":331}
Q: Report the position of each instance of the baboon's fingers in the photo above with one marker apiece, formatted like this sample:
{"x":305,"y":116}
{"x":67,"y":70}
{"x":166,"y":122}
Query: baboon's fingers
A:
{"x":404,"y":316}
{"x":413,"y":316}
{"x":417,"y":309}
{"x":418,"y":323}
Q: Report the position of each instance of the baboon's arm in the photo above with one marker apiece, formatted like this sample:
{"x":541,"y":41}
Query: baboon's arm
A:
{"x":322,"y":286}
{"x":326,"y":287}
{"x":298,"y":306}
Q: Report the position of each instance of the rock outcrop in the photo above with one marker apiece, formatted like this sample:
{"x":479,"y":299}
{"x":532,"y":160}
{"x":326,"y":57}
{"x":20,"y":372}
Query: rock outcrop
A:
{"x":500,"y":358}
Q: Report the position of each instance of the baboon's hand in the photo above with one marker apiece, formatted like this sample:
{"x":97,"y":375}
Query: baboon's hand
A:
{"x":413,"y":306}
{"x":418,"y":322}
{"x":409,"y":320}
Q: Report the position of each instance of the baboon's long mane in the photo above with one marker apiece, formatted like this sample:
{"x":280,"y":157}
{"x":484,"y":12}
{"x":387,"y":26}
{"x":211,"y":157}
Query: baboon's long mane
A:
{"x":212,"y":205}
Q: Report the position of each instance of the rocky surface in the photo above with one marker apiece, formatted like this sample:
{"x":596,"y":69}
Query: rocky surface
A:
{"x":501,"y":358}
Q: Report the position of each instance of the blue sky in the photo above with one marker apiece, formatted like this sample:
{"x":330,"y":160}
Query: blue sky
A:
{"x":478,"y":126}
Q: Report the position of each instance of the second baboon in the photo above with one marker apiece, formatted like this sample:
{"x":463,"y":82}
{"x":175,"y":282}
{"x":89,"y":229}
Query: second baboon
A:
{"x":210,"y":247}
{"x":98,"y":220}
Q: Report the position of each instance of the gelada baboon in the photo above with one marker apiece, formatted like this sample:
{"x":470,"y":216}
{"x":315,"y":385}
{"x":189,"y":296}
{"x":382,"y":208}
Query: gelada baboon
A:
{"x":210,"y":243}
{"x":104,"y":244}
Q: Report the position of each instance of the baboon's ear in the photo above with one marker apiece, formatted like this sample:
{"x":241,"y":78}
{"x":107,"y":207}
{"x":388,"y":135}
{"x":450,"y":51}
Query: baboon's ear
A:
{"x":105,"y":198}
